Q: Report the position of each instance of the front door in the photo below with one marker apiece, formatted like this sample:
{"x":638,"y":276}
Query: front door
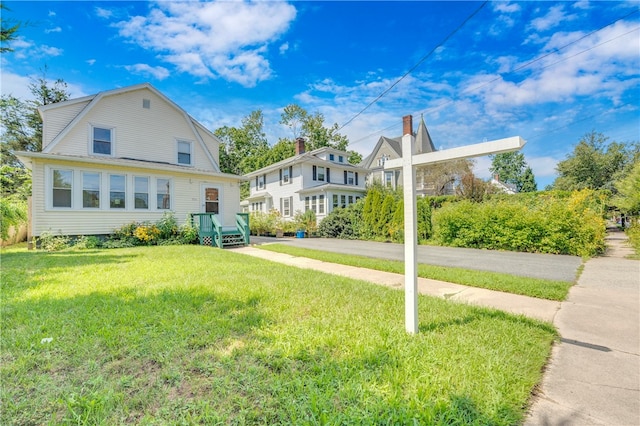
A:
{"x":212,"y":200}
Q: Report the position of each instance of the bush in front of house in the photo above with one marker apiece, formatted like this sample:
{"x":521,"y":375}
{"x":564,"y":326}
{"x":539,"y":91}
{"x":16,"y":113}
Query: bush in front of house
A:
{"x":548,"y":224}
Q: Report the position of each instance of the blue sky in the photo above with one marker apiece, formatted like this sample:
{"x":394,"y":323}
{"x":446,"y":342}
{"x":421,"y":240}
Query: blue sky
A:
{"x":547,"y":71}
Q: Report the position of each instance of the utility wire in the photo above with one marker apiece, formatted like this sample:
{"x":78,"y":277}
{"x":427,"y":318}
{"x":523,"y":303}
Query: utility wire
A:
{"x":424,"y":58}
{"x":526,"y":65}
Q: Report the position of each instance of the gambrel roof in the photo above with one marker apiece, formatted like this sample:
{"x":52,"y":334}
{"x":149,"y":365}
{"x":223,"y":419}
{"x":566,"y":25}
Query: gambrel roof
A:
{"x":91,"y":101}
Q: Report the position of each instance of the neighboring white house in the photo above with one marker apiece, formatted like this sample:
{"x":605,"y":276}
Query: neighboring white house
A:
{"x":391,"y":148}
{"x":124,"y":155}
{"x":502,"y":187}
{"x":319,"y":180}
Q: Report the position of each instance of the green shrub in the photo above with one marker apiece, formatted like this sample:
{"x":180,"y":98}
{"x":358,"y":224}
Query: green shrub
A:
{"x":168,"y":226}
{"x":50,"y":242}
{"x":338,"y":224}
{"x":87,"y":242}
{"x":13,"y":212}
{"x":549,"y":224}
{"x":633,"y":232}
{"x":261,"y":223}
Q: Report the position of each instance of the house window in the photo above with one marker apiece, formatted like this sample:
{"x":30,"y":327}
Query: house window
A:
{"x":285,"y":175}
{"x":321,"y":204}
{"x":146,"y":103}
{"x":314,"y":207}
{"x":388,"y":178}
{"x":335,"y":201}
{"x":343,"y":200}
{"x":332,"y":157}
{"x":163,"y":194}
{"x":286,"y":207}
{"x":62,"y":188}
{"x":382,"y":160}
{"x":340,"y":159}
{"x":321,"y":173}
{"x":102,"y":141}
{"x":350,"y":199}
{"x":350,"y":179}
{"x":306,"y":203}
{"x":260,"y":182}
{"x":91,"y":190}
{"x":141,"y":192}
{"x":184,"y":153}
{"x":117,"y":191}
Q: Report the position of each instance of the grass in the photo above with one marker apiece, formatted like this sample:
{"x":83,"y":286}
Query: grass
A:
{"x":526,"y":286}
{"x":190,"y":334}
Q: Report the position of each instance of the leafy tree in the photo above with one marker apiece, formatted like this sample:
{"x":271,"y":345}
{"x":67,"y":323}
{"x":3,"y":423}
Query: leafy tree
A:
{"x":242,"y":147}
{"x":440,"y":175}
{"x":8,"y":30}
{"x":312,"y":128}
{"x":512,"y":168}
{"x":473,"y":189}
{"x":528,"y":181}
{"x":628,"y":187}
{"x":594,"y":164}
{"x":22,"y":130}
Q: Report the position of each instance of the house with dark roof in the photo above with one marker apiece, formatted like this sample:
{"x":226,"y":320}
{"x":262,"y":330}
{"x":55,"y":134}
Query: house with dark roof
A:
{"x":391,"y":148}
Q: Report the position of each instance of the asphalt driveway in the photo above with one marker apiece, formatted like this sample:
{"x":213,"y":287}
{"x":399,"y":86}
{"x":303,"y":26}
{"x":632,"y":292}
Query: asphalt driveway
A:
{"x":547,"y":266}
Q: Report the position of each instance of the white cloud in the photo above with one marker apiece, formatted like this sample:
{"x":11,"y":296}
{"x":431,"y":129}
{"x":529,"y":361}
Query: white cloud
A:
{"x":159,"y":73}
{"x":283,"y":48}
{"x":90,"y":61}
{"x":26,"y":49}
{"x":53,"y":30}
{"x":51,"y":13}
{"x":555,"y":16}
{"x":103,"y":13}
{"x":225,"y":39}
{"x":18,"y":85}
{"x":506,"y":7}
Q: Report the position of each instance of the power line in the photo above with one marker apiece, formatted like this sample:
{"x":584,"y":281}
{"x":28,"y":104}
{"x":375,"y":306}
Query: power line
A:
{"x":526,"y":65}
{"x":424,"y":58}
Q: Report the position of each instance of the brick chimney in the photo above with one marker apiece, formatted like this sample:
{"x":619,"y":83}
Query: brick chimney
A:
{"x":407,"y":125}
{"x":299,"y":146}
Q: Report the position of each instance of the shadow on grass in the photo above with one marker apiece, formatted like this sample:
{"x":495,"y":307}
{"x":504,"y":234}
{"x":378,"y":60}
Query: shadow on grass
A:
{"x":485,"y":313}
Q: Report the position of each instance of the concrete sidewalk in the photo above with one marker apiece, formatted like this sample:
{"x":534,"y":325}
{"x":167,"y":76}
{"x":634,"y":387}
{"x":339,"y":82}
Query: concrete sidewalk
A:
{"x":593,"y":377}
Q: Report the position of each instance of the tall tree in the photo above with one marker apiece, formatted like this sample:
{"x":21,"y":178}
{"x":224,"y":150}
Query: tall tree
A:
{"x":628,"y":187}
{"x":8,"y":29}
{"x":594,"y":163}
{"x":242,"y":147}
{"x":511,"y":167}
{"x":22,"y":130}
{"x":313,"y":129}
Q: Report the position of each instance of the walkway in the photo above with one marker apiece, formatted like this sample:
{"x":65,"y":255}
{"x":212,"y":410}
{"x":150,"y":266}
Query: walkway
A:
{"x":593,"y":377}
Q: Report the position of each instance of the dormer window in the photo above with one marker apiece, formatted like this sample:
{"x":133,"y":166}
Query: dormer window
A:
{"x":340,"y":159}
{"x":101,"y":141}
{"x":332,"y":157}
{"x":382,"y":160}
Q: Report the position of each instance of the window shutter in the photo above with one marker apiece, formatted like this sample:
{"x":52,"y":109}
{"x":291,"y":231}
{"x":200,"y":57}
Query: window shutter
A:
{"x":315,"y":170}
{"x":264,"y":179}
{"x":282,"y":206}
{"x":256,"y":183}
{"x":345,"y":177}
{"x":280,"y":177}
{"x":328,"y":175}
{"x":356,"y":178}
{"x":290,"y":173}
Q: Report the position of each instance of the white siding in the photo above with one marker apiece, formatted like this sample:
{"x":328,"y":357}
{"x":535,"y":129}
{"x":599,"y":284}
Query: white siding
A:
{"x":56,"y":119}
{"x":186,"y":198}
{"x":139,"y":133}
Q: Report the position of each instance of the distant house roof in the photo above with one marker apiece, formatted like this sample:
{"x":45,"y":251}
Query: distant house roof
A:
{"x":423,"y":142}
{"x":507,"y":188}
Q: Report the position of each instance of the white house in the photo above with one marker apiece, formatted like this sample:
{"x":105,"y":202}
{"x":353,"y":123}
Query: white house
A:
{"x":320,"y":180}
{"x":391,"y":149}
{"x":124,"y":155}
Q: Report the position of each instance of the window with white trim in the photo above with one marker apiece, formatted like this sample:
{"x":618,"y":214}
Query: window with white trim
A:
{"x":91,"y":190}
{"x":340,"y":159}
{"x":285,"y":175}
{"x":117,"y":191}
{"x":260,"y":182}
{"x":320,"y":173}
{"x":388,"y":179}
{"x":101,"y":140}
{"x":321,"y":204}
{"x":350,"y":178}
{"x":62,"y":188}
{"x":163,"y":194}
{"x":184,"y":153}
{"x":343,"y":199}
{"x":335,"y":201}
{"x":141,"y":192}
{"x":286,"y":206}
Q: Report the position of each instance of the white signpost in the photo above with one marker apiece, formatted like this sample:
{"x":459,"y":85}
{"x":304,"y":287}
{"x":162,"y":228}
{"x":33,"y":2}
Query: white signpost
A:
{"x":408,"y":163}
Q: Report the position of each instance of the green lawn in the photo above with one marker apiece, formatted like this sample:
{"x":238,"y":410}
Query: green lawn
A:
{"x":526,"y":286}
{"x":190,"y":334}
